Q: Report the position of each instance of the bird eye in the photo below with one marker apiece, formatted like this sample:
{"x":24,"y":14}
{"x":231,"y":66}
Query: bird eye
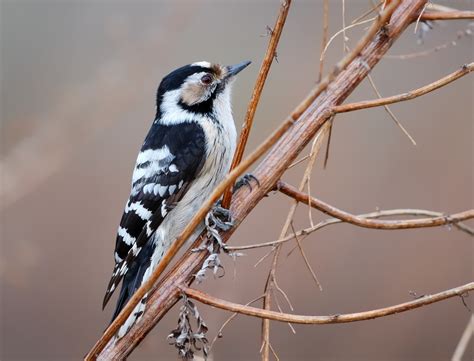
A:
{"x":206,"y":79}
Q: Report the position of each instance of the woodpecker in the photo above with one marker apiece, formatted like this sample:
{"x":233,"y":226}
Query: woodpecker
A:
{"x":187,"y":152}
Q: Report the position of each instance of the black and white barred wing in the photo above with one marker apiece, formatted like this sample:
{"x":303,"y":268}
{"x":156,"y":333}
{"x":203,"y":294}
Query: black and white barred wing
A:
{"x":169,"y":161}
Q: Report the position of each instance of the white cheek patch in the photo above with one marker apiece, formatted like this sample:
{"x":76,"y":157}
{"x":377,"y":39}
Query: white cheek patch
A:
{"x":193,"y":91}
{"x":172,"y":113}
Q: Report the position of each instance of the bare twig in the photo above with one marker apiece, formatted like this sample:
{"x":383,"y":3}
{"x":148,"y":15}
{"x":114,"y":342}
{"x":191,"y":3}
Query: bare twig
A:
{"x":373,"y":223}
{"x":323,"y":53}
{"x":464,"y":340}
{"x":308,"y":265}
{"x":320,"y":320}
{"x":257,"y":91}
{"x":344,"y":37}
{"x":378,"y":214}
{"x":281,"y":310}
{"x":294,"y":164}
{"x":367,"y":13}
{"x":265,"y":347}
{"x":419,"y":17}
{"x":389,"y":111}
{"x":328,"y":144}
{"x":325,"y":36}
{"x":234,"y":315}
{"x":271,"y":279}
{"x":447,"y":15}
{"x":428,"y":52}
{"x":273,"y":352}
{"x":465,"y":69}
{"x":342,"y":65}
{"x":279,"y":289}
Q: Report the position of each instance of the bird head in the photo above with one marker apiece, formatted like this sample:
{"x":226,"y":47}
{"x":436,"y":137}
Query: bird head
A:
{"x":195,"y":89}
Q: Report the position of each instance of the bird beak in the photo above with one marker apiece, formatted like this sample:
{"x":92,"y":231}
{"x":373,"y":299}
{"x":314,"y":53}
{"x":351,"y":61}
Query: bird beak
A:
{"x":233,"y":70}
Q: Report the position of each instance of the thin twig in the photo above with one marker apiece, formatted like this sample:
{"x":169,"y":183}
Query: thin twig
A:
{"x":281,"y":311}
{"x":271,"y":279}
{"x":419,"y":17}
{"x":451,"y":15}
{"x":344,"y":37}
{"x":342,"y":64}
{"x":308,"y":265}
{"x":433,"y":50}
{"x":298,"y":162}
{"x":275,"y":283}
{"x":464,"y":340}
{"x":325,"y":36}
{"x":323,"y":53}
{"x":389,"y":111}
{"x":367,"y":13}
{"x":378,"y":214}
{"x":234,"y":315}
{"x":273,"y":352}
{"x":465,"y":69}
{"x":265,"y":348}
{"x":320,"y":320}
{"x":372,"y":223}
{"x":257,"y":91}
{"x":328,"y":144}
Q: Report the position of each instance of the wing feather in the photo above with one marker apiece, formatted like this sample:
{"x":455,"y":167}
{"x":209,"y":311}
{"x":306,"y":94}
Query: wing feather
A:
{"x":167,"y":164}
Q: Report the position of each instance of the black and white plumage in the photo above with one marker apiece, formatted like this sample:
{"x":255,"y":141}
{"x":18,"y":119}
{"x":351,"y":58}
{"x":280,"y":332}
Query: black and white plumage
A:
{"x":186,"y":153}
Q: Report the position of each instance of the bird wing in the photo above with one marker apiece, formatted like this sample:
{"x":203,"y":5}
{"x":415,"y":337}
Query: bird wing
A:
{"x":169,"y":161}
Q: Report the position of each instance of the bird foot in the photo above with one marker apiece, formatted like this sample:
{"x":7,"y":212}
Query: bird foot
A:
{"x":219,"y":219}
{"x":246,"y":180}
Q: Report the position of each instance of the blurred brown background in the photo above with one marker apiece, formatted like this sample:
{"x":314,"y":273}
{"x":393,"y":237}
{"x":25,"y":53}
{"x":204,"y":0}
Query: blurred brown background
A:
{"x":77,"y":98}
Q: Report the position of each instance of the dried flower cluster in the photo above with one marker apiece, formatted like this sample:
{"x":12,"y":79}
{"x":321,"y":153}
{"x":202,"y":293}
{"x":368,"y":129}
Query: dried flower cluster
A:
{"x":219,"y":219}
{"x":183,"y":337}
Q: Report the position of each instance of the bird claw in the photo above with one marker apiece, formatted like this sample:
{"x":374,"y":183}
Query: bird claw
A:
{"x":219,"y":218}
{"x":246,"y":180}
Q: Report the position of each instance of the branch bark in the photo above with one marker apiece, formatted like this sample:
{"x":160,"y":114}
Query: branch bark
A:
{"x":311,"y":114}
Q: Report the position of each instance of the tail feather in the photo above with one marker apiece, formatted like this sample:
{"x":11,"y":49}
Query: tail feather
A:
{"x":134,"y":277}
{"x":138,"y":273}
